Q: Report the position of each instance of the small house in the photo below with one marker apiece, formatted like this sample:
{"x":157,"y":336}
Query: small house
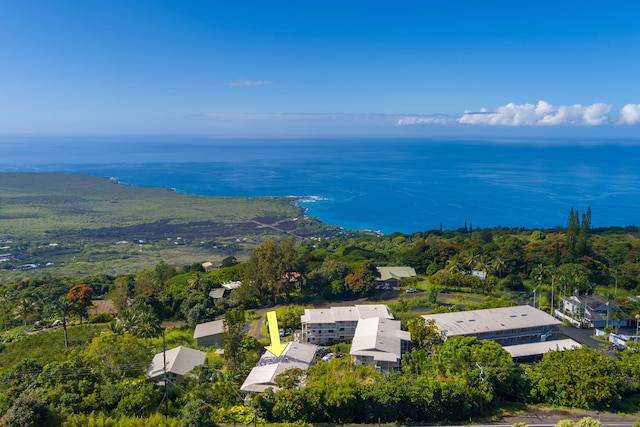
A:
{"x":209,"y":334}
{"x":175,"y":364}
{"x":390,"y":276}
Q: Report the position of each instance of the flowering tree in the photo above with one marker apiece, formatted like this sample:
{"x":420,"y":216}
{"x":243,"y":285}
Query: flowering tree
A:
{"x":81,"y":295}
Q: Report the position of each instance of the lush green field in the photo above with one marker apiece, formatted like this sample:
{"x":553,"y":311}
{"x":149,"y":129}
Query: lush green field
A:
{"x":82,"y":225}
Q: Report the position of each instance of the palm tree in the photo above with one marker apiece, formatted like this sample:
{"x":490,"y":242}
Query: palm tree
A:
{"x":499,"y":265}
{"x":139,"y":322}
{"x":5,"y":299}
{"x":471,"y":260}
{"x":455,"y":265}
{"x":23,"y":309}
{"x":64,"y":308}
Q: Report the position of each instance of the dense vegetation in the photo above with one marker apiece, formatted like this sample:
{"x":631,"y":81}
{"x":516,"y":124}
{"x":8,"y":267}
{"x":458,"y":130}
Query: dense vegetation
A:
{"x":91,"y":367}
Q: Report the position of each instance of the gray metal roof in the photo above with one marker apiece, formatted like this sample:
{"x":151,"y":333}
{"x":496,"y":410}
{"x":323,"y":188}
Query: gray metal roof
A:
{"x":215,"y":327}
{"x":180,"y":360}
{"x":379,"y":338}
{"x":261,"y":377}
{"x":490,"y":320}
{"x":345,"y":314}
{"x":388,"y":272}
{"x":217,"y":293}
{"x":538,"y":348}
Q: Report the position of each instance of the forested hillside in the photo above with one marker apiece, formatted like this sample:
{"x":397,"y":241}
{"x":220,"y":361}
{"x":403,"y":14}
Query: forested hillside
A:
{"x":60,"y":359}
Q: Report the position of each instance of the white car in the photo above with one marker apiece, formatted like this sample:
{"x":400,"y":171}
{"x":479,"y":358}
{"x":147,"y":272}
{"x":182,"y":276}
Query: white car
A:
{"x":328,"y":357}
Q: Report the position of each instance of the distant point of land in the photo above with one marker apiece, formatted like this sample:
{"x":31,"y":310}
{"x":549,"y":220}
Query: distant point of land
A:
{"x":58,"y":224}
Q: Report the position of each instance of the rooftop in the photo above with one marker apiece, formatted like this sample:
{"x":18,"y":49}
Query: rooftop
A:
{"x":388,"y":272}
{"x":209,"y":328}
{"x":490,"y":320}
{"x":261,"y":377}
{"x":345,"y":314}
{"x":180,"y":360}
{"x":217,"y":293}
{"x":380,"y":338}
{"x":538,"y":348}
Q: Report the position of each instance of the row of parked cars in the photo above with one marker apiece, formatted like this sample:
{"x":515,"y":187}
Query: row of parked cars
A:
{"x":324,"y":354}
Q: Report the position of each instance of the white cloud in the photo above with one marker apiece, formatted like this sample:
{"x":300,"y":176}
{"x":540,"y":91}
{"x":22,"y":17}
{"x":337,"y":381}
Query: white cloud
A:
{"x":630,"y":114}
{"x":240,"y":83}
{"x":540,"y":114}
{"x":420,"y":120}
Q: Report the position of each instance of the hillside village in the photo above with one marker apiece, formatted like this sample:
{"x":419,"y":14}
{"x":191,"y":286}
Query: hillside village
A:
{"x":405,"y":328}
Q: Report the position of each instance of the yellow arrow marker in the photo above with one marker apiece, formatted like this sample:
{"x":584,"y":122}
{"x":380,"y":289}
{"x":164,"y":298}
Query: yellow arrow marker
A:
{"x":276,"y":348}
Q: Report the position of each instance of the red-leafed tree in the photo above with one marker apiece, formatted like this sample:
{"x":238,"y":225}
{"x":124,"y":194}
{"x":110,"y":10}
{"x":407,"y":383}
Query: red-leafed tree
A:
{"x":363,"y":281}
{"x":81,"y":295}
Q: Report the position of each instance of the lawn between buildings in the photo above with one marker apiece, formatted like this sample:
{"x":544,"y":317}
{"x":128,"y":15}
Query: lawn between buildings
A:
{"x":67,"y":224}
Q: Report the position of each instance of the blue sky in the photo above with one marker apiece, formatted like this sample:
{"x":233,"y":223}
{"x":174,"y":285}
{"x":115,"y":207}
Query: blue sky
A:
{"x":284,"y":68}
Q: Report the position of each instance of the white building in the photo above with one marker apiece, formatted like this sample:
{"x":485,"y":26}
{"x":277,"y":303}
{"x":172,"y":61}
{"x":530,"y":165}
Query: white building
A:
{"x":262,"y":376}
{"x":324,"y":326}
{"x":593,"y":311}
{"x":209,"y":334}
{"x":507,"y":326}
{"x":179,"y":361}
{"x":379,"y":342}
{"x":534,"y":350}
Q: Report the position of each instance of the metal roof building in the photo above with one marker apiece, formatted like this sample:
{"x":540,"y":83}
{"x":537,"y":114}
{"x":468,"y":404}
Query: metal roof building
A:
{"x":209,"y":334}
{"x":521,"y":351}
{"x":180,"y":360}
{"x":337,"y":324}
{"x":507,"y":325}
{"x":387,"y":273}
{"x":379,"y":342}
{"x":262,"y":376}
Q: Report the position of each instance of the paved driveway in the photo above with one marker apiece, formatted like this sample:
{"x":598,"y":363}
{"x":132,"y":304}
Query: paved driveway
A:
{"x":583,"y":336}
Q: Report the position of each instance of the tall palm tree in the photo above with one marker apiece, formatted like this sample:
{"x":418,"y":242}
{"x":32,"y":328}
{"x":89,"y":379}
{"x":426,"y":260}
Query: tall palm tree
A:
{"x":5,"y":299}
{"x":23,"y":309}
{"x":64,"y":308}
{"x":499,"y":266}
{"x":471,"y":260}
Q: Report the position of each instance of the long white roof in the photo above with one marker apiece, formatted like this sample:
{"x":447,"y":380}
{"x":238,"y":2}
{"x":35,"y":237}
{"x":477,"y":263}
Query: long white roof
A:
{"x":345,"y":314}
{"x":261,"y":377}
{"x":491,"y":320}
{"x":537,"y":348}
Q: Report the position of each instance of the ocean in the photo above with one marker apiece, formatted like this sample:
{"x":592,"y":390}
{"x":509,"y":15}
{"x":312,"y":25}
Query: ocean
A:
{"x":385,"y":185}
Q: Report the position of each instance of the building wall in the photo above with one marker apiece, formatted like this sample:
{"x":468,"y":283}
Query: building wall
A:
{"x":519,"y":336}
{"x":210,"y":341}
{"x":380,"y":366}
{"x":328,"y":333}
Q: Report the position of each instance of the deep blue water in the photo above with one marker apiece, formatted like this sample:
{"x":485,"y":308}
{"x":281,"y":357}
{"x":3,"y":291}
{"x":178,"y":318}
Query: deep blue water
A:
{"x":386,"y":185}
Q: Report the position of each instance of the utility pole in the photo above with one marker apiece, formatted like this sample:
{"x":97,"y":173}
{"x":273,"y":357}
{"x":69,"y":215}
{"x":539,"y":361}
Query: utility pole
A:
{"x":552,"y":283}
{"x":166,"y":379}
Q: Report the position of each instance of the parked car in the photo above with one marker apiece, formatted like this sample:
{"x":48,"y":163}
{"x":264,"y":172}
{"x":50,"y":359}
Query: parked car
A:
{"x":411,"y":290}
{"x":328,"y":357}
